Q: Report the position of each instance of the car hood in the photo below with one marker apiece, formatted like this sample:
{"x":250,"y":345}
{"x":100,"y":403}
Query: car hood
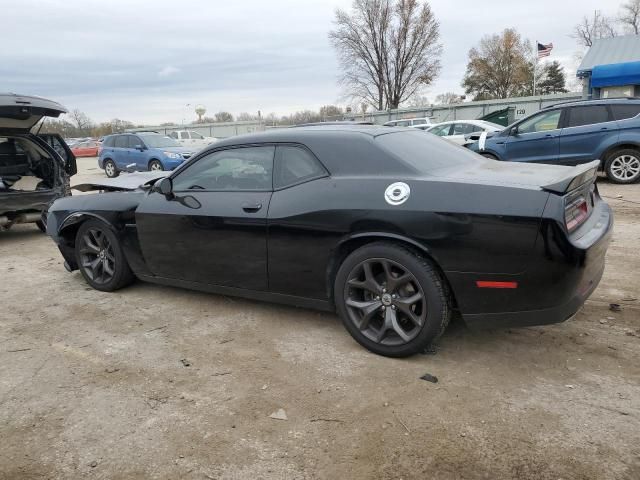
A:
{"x":125,"y":182}
{"x":555,"y":178}
{"x":19,"y":113}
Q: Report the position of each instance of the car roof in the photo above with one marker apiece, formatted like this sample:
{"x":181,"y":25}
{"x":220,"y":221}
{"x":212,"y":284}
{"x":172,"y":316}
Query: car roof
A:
{"x":600,"y":101}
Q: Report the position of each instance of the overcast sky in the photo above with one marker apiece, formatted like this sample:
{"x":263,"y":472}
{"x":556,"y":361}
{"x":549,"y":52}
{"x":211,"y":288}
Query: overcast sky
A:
{"x":144,"y":61}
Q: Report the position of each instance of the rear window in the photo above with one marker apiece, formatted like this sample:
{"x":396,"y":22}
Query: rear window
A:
{"x":423,"y":152}
{"x":588,"y":115}
{"x":622,"y":112}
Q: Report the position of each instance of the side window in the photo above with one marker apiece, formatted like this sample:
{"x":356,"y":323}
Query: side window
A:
{"x":587,"y":115}
{"x":174,"y":135}
{"x":295,"y":165}
{"x":622,"y":112}
{"x":196,"y":136}
{"x":464,"y":128}
{"x":541,"y":123}
{"x":121,"y":141}
{"x":441,"y":131}
{"x":403,"y":123}
{"x":236,"y":169}
{"x":108,"y":142}
{"x":134,"y":141}
{"x":184,"y":135}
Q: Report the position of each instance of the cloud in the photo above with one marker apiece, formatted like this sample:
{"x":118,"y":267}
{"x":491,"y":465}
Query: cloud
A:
{"x":168,"y":71}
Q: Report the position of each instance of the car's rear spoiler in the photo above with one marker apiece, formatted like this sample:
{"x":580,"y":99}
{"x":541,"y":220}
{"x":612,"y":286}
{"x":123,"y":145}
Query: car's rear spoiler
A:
{"x":574,"y":178}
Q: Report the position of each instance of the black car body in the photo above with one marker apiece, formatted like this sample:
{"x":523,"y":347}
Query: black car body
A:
{"x":34,"y":168}
{"x":504,"y":243}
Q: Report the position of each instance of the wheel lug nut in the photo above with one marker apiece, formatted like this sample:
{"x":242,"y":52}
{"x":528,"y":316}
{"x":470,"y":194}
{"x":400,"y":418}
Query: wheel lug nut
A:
{"x":384,"y":290}
{"x":393,"y":307}
{"x":393,"y":296}
{"x":383,"y":307}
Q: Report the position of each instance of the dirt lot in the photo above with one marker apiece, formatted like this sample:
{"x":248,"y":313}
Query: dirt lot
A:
{"x":155,"y":382}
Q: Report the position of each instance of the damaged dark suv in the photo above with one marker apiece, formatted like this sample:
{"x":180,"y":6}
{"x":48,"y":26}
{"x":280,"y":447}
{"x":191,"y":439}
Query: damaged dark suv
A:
{"x":34,"y":168}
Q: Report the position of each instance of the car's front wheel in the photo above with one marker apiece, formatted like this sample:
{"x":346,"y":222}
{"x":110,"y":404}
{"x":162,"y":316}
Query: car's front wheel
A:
{"x":392,"y":300}
{"x":100,"y":257}
{"x":623,"y":166}
{"x":155,"y":166}
{"x":110,"y":169}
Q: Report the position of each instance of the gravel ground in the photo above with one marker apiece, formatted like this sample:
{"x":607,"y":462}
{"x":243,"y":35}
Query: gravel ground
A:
{"x":158,"y":382}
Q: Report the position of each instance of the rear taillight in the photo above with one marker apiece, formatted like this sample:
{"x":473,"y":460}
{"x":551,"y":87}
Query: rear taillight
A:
{"x":576,"y":212}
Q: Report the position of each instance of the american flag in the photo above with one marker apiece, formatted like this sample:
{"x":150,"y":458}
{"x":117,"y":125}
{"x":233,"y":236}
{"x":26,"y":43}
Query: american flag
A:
{"x":544,"y":50}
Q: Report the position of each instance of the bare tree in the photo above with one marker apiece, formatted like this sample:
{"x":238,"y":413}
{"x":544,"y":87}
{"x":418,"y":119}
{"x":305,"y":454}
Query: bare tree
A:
{"x":81,"y":120}
{"x":245,"y":117}
{"x":448,"y":98}
{"x":223,"y":117}
{"x":590,"y":29}
{"x":630,"y":16}
{"x":387,"y":50}
{"x":499,"y":67}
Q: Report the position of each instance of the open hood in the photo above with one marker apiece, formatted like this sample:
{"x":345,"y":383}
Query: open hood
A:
{"x":19,"y":113}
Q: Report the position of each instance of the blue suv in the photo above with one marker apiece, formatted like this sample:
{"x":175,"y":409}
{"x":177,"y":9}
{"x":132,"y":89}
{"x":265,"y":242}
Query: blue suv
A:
{"x":140,"y":151}
{"x":574,"y":133}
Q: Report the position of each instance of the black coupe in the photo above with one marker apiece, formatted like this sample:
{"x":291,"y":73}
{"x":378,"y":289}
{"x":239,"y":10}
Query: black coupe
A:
{"x":393,"y":228}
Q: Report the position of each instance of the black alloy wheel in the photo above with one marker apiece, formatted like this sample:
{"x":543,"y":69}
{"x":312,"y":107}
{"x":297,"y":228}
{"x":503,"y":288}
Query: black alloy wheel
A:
{"x":392,"y":300}
{"x":100,"y":257}
{"x":385,"y":301}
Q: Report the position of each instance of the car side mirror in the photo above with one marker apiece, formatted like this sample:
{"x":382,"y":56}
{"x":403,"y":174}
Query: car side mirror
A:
{"x":139,"y":147}
{"x":165,"y":187}
{"x":514,"y":131}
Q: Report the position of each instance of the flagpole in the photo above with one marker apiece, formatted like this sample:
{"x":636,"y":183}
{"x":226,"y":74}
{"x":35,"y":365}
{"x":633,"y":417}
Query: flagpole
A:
{"x":535,"y":66}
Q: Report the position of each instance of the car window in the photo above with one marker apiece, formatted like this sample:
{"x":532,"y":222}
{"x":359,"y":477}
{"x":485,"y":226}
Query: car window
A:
{"x":184,"y":135}
{"x":541,"y":123}
{"x":239,"y":169}
{"x":121,"y":141}
{"x":295,"y":165}
{"x":622,"y":112}
{"x":464,"y":128}
{"x":403,"y":123}
{"x":587,"y":115}
{"x":108,"y":142}
{"x":196,"y":136}
{"x":80,"y":145}
{"x":134,"y":141}
{"x":441,"y":130}
{"x":174,"y":135}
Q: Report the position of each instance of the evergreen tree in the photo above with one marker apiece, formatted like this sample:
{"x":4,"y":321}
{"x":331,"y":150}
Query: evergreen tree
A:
{"x":552,"y":80}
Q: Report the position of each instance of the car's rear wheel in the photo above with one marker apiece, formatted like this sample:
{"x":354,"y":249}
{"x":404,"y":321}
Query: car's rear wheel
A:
{"x":623,"y":166}
{"x":100,"y":257}
{"x":155,"y":166}
{"x":392,"y":300}
{"x":110,"y":169}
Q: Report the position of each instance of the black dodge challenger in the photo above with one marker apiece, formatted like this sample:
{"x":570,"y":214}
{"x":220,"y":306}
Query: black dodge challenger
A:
{"x":392,"y":228}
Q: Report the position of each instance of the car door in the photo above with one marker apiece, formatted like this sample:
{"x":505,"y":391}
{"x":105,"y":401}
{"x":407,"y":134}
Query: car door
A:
{"x":459,"y":130}
{"x":535,"y":139}
{"x":184,"y":138}
{"x":212,"y":228}
{"x":136,"y":152}
{"x":121,"y":152}
{"x":586,"y":128}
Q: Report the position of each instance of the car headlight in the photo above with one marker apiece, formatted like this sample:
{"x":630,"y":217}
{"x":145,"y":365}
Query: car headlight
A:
{"x":175,"y":156}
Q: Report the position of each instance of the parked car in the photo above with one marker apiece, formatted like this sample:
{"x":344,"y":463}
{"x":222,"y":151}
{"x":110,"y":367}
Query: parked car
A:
{"x":189,"y":138}
{"x":392,"y":228}
{"x":409,"y":122}
{"x":574,"y":133}
{"x":34,"y":169}
{"x":457,"y":131}
{"x":140,"y":151}
{"x":86,"y":149}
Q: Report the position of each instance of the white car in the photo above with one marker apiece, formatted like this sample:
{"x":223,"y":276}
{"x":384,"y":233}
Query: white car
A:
{"x":409,"y":122}
{"x":456,"y":130}
{"x":189,"y":138}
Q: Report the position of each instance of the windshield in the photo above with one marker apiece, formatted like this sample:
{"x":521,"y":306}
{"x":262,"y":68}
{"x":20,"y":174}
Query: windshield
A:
{"x":159,"y":141}
{"x":425,"y":152}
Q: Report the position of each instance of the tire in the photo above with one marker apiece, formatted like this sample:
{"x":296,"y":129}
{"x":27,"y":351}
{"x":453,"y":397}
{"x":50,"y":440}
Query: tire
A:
{"x":155,"y":166}
{"x":110,"y":169}
{"x":100,"y":257}
{"x":489,"y":155}
{"x":40,"y":224}
{"x":623,"y":166}
{"x":385,"y":322}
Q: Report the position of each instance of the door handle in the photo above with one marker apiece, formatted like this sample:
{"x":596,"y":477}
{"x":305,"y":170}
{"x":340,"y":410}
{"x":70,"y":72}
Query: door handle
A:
{"x":604,"y":128}
{"x":251,"y":207}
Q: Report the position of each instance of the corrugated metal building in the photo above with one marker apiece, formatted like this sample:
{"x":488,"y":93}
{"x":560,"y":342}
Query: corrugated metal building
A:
{"x":611,"y":68}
